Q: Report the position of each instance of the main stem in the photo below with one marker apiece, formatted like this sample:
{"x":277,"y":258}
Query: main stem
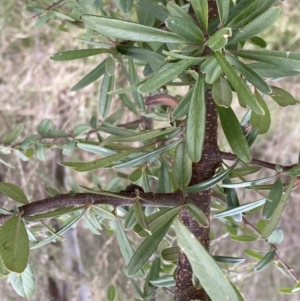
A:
{"x":202,"y":170}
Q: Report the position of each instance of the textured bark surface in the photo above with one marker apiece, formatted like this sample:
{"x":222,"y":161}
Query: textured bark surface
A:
{"x":202,"y":170}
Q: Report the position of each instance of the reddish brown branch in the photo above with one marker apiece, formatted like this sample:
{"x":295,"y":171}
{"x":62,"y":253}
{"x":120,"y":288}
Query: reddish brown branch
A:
{"x":66,"y":200}
{"x":232,"y":157}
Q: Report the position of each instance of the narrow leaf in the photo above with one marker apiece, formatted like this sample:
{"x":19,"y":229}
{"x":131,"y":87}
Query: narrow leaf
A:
{"x":240,"y":209}
{"x":251,"y":76}
{"x":185,"y":29}
{"x":164,"y":76}
{"x":201,"y":10}
{"x":272,"y":223}
{"x":223,"y":9}
{"x":205,"y":268}
{"x":273,"y":199}
{"x":124,"y":244}
{"x":208,"y":183}
{"x":140,"y":216}
{"x":77,"y":54}
{"x":105,"y":99}
{"x":238,"y":84}
{"x":183,"y":106}
{"x":125,"y":30}
{"x":219,"y":39}
{"x":234,"y":134}
{"x":182,"y":166}
{"x":198,"y":215}
{"x":268,"y":258}
{"x":195,"y":130}
{"x":256,"y":26}
{"x":147,"y":248}
{"x":261,"y":122}
{"x":90,"y":77}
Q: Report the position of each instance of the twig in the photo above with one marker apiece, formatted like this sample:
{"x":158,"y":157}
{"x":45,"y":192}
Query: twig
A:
{"x":232,"y":157}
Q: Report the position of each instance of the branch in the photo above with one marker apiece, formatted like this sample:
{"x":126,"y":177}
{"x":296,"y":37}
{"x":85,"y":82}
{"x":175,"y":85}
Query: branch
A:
{"x":232,"y":157}
{"x":148,"y":199}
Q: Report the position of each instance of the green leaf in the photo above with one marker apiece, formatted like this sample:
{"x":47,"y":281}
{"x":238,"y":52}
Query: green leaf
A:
{"x":105,"y":99}
{"x":182,"y":166}
{"x":13,"y":192}
{"x":156,"y":220}
{"x":208,"y":183}
{"x":125,"y":30}
{"x":104,"y":213}
{"x":149,"y":157}
{"x":211,"y":69}
{"x":201,"y":11}
{"x":177,"y":11}
{"x":73,"y":220}
{"x":247,"y":183}
{"x":23,"y":283}
{"x":90,"y":77}
{"x":268,"y":258}
{"x":111,"y":293}
{"x":273,"y":199}
{"x":13,"y":134}
{"x":140,"y":216}
{"x":294,"y":171}
{"x":232,"y":200}
{"x":195,"y":129}
{"x":234,"y":134}
{"x":240,"y":209}
{"x":276,"y":237}
{"x":251,"y":76}
{"x":219,"y":39}
{"x":170,"y":254}
{"x":272,"y":71}
{"x":125,"y":246}
{"x":226,"y":259}
{"x":243,"y":238}
{"x":245,"y":11}
{"x":77,"y":54}
{"x":221,"y":92}
{"x":14,"y":245}
{"x":198,"y":215}
{"x":183,"y":107}
{"x":287,"y":290}
{"x":261,"y":122}
{"x":162,"y":77}
{"x":282,"y":97}
{"x":155,"y":60}
{"x":253,"y":254}
{"x":204,"y":267}
{"x":272,"y":223}
{"x":164,"y":182}
{"x":133,"y":78}
{"x":81,"y":129}
{"x":256,"y":26}
{"x":125,"y":6}
{"x":130,"y":219}
{"x":258,"y":41}
{"x":44,"y":127}
{"x":164,"y":281}
{"x":144,"y":16}
{"x":223,"y":9}
{"x":147,"y":248}
{"x":185,"y":29}
{"x":158,"y":11}
{"x":284,"y":59}
{"x":238,"y":84}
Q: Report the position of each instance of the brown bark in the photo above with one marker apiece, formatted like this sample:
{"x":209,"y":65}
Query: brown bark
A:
{"x":202,"y":170}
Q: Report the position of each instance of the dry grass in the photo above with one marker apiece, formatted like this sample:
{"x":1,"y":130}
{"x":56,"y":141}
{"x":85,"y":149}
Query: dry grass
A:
{"x":32,"y":87}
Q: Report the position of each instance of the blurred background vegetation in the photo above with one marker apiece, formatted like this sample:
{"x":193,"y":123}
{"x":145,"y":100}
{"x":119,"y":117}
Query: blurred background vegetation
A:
{"x":32,"y":87}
